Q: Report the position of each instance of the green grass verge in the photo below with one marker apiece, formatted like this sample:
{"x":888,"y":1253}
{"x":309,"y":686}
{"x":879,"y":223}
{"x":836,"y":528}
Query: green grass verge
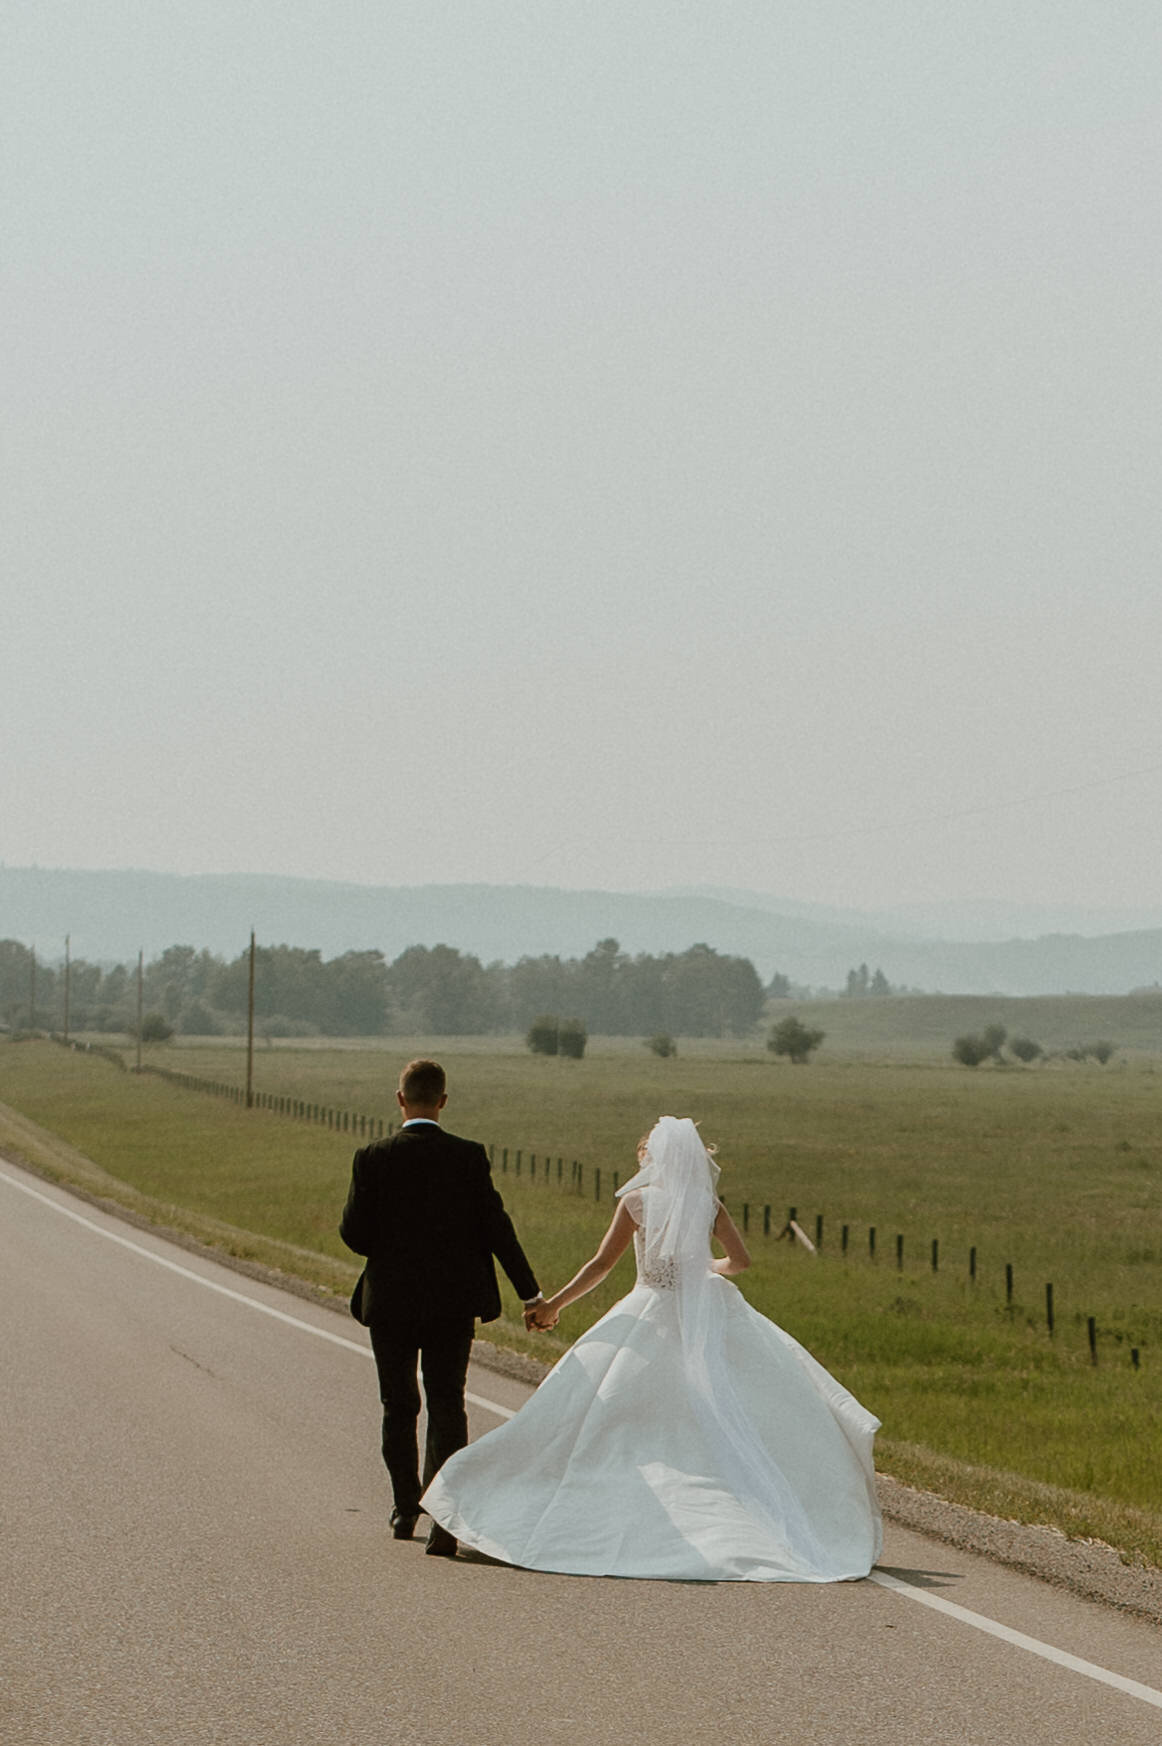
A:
{"x":1060,"y":1172}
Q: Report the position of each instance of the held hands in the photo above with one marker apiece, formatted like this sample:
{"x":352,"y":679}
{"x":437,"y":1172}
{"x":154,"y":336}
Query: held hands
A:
{"x":539,"y":1318}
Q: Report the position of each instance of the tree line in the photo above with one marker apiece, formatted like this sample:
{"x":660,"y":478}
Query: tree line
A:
{"x":426,"y":990}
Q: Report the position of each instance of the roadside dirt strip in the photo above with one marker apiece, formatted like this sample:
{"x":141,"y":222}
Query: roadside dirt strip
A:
{"x":195,"y":1550}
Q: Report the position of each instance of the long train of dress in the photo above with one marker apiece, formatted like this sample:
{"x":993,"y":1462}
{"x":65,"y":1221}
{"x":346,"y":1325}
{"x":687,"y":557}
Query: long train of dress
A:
{"x":618,"y":1467}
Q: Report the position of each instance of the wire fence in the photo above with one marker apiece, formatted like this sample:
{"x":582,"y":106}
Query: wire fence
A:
{"x":591,"y":1181}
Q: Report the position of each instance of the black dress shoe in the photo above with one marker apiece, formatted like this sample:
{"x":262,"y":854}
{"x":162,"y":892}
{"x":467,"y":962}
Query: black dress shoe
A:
{"x":403,"y":1526}
{"x":440,"y":1544}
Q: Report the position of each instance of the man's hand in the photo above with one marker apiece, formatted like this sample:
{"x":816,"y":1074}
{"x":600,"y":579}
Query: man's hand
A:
{"x":539,"y":1317}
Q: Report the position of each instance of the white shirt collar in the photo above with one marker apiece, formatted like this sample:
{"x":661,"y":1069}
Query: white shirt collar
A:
{"x":417,"y":1121}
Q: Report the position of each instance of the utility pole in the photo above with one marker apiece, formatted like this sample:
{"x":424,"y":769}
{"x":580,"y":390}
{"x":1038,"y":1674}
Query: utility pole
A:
{"x":66,"y":988}
{"x":250,"y":1031}
{"x":32,"y":990}
{"x":140,"y":1002}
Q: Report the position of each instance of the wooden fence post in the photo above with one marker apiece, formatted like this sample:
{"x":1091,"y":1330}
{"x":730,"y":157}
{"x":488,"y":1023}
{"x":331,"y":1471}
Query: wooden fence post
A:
{"x":1049,"y":1309}
{"x":899,"y":1252}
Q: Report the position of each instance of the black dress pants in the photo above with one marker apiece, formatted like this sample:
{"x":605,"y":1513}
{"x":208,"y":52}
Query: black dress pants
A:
{"x":440,"y":1349}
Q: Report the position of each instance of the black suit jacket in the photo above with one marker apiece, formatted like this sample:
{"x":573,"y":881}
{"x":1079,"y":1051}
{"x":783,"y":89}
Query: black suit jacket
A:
{"x":423,"y":1209}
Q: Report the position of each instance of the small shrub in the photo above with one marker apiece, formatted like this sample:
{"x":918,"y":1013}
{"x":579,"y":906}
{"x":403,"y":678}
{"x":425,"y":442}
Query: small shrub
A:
{"x":1100,"y":1052}
{"x":970,"y":1050}
{"x":662,"y":1045}
{"x":543,"y":1035}
{"x":793,"y":1038}
{"x":993,"y":1038}
{"x":156,"y":1028}
{"x":1025,"y":1049}
{"x":572,"y":1037}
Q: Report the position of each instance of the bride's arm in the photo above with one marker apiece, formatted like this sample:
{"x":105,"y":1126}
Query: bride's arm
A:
{"x":613,"y":1245}
{"x":727,"y":1232}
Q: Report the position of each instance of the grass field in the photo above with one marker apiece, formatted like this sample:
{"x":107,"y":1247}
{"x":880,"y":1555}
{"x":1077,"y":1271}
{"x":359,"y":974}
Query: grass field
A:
{"x":1056,"y":1169}
{"x":922,"y":1027}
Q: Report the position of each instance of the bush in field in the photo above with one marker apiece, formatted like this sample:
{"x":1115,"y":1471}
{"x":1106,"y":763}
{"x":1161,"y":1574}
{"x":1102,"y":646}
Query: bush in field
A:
{"x":1025,"y":1049}
{"x":543,"y":1036}
{"x":662,"y":1045}
{"x":971,"y":1050}
{"x":795,"y":1039}
{"x":1100,"y":1052}
{"x":986,"y":1045}
{"x":993,"y":1038}
{"x":198,"y":1021}
{"x":572,"y":1037}
{"x":156,"y":1028}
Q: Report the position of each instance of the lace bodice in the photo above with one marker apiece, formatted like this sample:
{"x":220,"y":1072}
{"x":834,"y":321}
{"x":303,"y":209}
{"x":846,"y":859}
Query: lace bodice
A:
{"x":663,"y":1276}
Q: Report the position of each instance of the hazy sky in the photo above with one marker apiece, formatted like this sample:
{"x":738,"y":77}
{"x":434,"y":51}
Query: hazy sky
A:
{"x":589,"y":444}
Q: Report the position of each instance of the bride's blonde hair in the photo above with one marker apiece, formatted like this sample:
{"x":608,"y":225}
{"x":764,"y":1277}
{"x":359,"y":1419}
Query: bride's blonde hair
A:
{"x":643,"y":1145}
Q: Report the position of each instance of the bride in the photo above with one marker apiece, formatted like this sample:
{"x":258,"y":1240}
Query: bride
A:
{"x":684,"y":1436}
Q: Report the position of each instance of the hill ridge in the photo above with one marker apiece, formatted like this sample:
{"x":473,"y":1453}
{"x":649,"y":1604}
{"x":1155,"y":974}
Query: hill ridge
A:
{"x":111,"y":913}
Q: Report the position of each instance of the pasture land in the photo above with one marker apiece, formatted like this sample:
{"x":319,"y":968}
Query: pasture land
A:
{"x":1056,"y":1169}
{"x":922,"y":1027}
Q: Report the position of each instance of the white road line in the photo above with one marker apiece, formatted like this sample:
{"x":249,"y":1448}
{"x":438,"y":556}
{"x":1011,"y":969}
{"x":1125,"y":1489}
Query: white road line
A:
{"x":1061,"y":1657}
{"x":1132,"y":1687}
{"x":266,"y":1309}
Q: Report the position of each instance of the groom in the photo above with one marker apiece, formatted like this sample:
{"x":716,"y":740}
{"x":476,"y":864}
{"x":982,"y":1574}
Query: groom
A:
{"x":423,"y":1210}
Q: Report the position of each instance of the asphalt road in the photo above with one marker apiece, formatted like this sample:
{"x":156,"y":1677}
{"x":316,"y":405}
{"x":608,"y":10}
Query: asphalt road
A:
{"x":195,"y":1550}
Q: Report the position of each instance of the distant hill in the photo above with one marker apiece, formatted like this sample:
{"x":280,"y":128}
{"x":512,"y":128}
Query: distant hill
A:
{"x":986,"y":919}
{"x":109,"y":915}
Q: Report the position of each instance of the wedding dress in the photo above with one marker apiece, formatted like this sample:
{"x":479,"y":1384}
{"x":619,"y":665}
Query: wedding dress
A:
{"x":684,"y":1436}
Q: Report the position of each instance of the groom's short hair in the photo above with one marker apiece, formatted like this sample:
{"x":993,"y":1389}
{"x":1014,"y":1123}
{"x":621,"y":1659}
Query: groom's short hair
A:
{"x":423,"y":1083}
